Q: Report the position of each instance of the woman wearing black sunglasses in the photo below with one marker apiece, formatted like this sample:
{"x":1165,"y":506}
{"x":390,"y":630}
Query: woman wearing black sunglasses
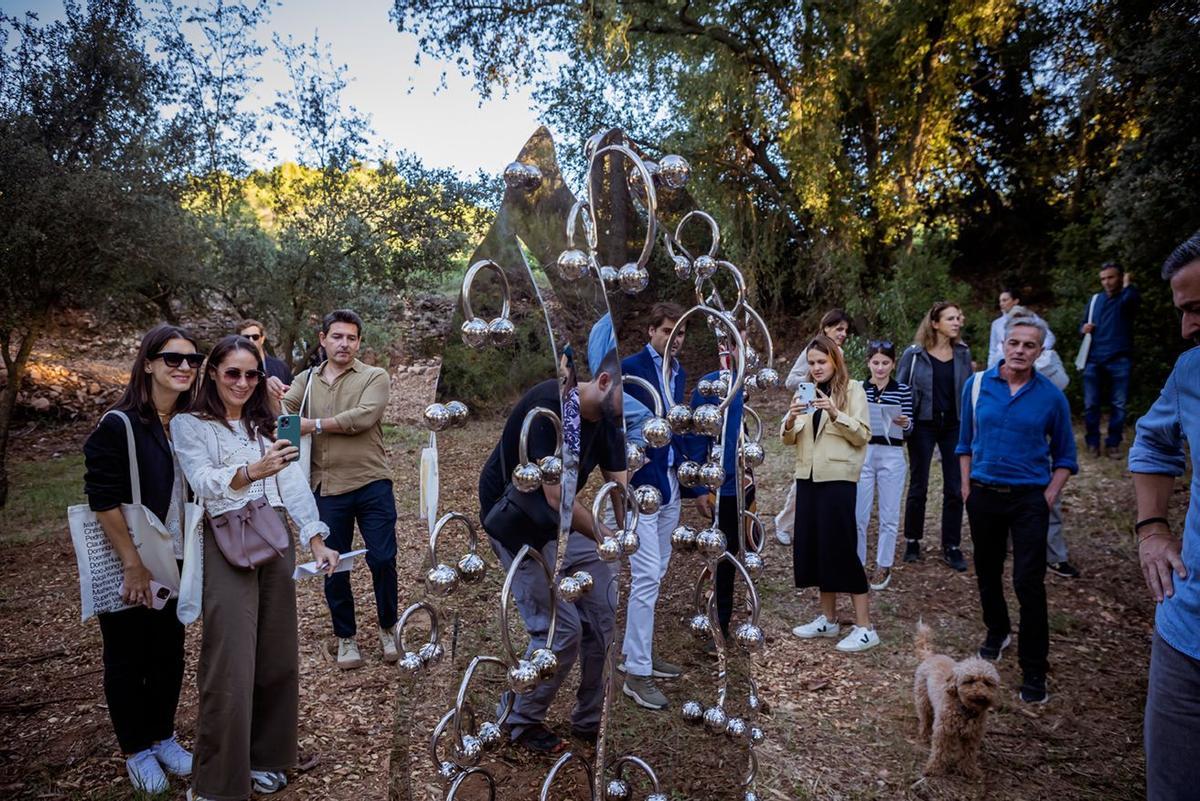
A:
{"x":143,"y":646}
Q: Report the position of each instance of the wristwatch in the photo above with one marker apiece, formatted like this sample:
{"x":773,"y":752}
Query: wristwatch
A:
{"x":317,"y":425}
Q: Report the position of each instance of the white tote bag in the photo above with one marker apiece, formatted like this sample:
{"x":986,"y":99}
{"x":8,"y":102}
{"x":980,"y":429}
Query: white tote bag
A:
{"x":306,"y":440}
{"x":191,"y":579}
{"x":1086,"y":346}
{"x":101,"y":573}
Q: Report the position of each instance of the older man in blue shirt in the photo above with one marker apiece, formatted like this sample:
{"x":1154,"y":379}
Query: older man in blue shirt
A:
{"x":1016,"y":451}
{"x":1172,"y":566}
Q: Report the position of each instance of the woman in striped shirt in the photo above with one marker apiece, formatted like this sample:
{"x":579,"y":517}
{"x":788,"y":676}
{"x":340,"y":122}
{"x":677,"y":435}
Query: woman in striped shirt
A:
{"x":884,"y":467}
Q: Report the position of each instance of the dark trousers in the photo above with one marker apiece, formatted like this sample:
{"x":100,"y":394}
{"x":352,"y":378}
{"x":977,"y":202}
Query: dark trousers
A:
{"x":825,"y":537}
{"x":940,"y":433}
{"x":1023,"y":515}
{"x":1172,"y":720}
{"x":1105,"y":383}
{"x":727,"y":521}
{"x":143,"y":672}
{"x":374,"y":507}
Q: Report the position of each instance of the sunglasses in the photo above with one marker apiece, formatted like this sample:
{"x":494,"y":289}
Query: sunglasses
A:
{"x":234,"y":375}
{"x":254,"y":337}
{"x":880,"y":344}
{"x":173,"y":360}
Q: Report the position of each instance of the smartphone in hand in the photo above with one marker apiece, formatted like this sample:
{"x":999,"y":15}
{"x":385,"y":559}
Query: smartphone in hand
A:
{"x":806,"y":393}
{"x":288,"y":427}
{"x":159,"y":594}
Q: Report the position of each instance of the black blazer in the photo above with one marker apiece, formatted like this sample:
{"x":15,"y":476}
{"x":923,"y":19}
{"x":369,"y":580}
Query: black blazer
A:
{"x":106,"y":459}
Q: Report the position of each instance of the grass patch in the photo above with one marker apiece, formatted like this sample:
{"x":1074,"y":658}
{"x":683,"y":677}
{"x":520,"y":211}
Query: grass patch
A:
{"x":404,"y":436}
{"x":39,"y":494}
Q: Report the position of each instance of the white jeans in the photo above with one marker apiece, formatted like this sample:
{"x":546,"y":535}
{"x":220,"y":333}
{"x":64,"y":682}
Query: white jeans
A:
{"x":647,"y":567}
{"x":884,"y":467}
{"x":785,"y":521}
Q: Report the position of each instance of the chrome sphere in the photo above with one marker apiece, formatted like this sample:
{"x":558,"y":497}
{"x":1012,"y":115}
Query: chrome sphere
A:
{"x":705,"y":388}
{"x":569,"y":589}
{"x":649,"y":499}
{"x":683,"y":539}
{"x":430,"y":654}
{"x":736,"y":728}
{"x":502,"y":332}
{"x":447,"y":771}
{"x":705,"y":266}
{"x":527,"y":477}
{"x":458,"y":412}
{"x":712,"y":475}
{"x":469,"y":752}
{"x":674,"y":171}
{"x":441,"y":580}
{"x":523,"y":676}
{"x":700,"y":627}
{"x":474,"y":333}
{"x":635,"y":457}
{"x":753,"y":360}
{"x":573,"y":264}
{"x":552,"y":470}
{"x":753,"y":454}
{"x":633,"y":278}
{"x":546,"y":663}
{"x":657,"y":797}
{"x":679,"y":418}
{"x":518,"y":175}
{"x":706,"y":420}
{"x":753,"y":702}
{"x":750,"y":637}
{"x":629,"y":540}
{"x":711,"y":542}
{"x":585,"y":580}
{"x":768,"y":378}
{"x":750,"y":796}
{"x":410,"y":664}
{"x":753,"y":564}
{"x":609,"y":549}
{"x":757,"y":735}
{"x":491,"y":735}
{"x":683,"y":268}
{"x":692,"y":711}
{"x":471,"y":568}
{"x":720,"y":387}
{"x":689,"y":473}
{"x":437,"y":417}
{"x":715,"y":719}
{"x":657,"y":432}
{"x":610,"y":277}
{"x":635,"y":175}
{"x":616,"y":790}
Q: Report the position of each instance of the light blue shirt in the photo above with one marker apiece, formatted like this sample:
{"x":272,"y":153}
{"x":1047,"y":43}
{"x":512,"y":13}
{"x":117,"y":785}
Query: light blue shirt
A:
{"x":658,"y":366}
{"x":1172,"y":422}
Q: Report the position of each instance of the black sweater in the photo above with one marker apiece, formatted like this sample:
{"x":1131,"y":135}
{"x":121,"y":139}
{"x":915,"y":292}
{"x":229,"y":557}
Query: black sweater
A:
{"x":106,"y":459}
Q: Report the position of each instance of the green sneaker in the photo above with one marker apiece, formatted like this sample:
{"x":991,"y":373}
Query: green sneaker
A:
{"x":644,"y":693}
{"x":663,"y":669}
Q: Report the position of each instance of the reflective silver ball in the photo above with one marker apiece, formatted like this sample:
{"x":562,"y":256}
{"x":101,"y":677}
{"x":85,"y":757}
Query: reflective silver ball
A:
{"x":441,"y":580}
{"x":471,"y":568}
{"x":712,"y":475}
{"x":458,"y":412}
{"x":633,"y":278}
{"x":757,"y":735}
{"x":609,"y":549}
{"x":649,"y":499}
{"x":706,"y":420}
{"x":523,"y":676}
{"x":616,"y":790}
{"x":657,"y":797}
{"x":430,"y":654}
{"x":683,"y":539}
{"x":437,"y":417}
{"x":491,"y":735}
{"x":750,"y":796}
{"x":585,"y":580}
{"x":749,"y":637}
{"x":501,"y":332}
{"x":610,"y":277}
{"x":522,"y":176}
{"x":711,"y":542}
{"x":715,"y":719}
{"x":753,"y":360}
{"x":447,"y":771}
{"x":768,"y":378}
{"x":674,"y":171}
{"x":720,"y":388}
{"x":552,"y":470}
{"x":705,"y":388}
{"x":527,"y":477}
{"x":679,"y":418}
{"x":410,"y":664}
{"x":736,"y":728}
{"x":573,"y":264}
{"x":753,"y":454}
{"x":629,"y":540}
{"x":569,"y":589}
{"x":753,"y":564}
{"x":546,"y":663}
{"x":657,"y":432}
{"x":753,"y":702}
{"x":474,"y":332}
{"x":469,"y":752}
{"x":689,"y":474}
{"x":635,"y":457}
{"x":700,"y":627}
{"x":683,"y":268}
{"x":692,"y":711}
{"x":705,"y":266}
{"x":635,"y":175}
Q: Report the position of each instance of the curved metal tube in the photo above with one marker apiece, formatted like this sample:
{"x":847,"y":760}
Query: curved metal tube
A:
{"x":753,"y":314}
{"x":651,"y":196}
{"x":522,"y":554}
{"x":629,"y":759}
{"x":460,"y":701}
{"x":589,"y":231}
{"x":630,"y":501}
{"x":430,"y":612}
{"x":712,"y":226}
{"x":747,"y":412}
{"x":739,"y":283}
{"x":523,"y":442}
{"x":755,"y":525}
{"x":469,"y":279}
{"x":438,"y":731}
{"x":646,"y":385}
{"x":544,"y":795}
{"x":739,"y":354}
{"x":466,"y":774}
{"x":472,"y":536}
{"x":752,"y":773}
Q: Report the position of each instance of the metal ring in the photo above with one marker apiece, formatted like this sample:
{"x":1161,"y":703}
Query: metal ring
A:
{"x":755,"y":524}
{"x":533,"y":414}
{"x":438,"y":731}
{"x":646,"y":385}
{"x":712,"y":226}
{"x":739,"y":283}
{"x":752,"y":773}
{"x":462,"y":777}
{"x":747,"y":412}
{"x":460,"y":701}
{"x":631,"y":502}
{"x":753,"y":314}
{"x":739,"y":353}
{"x":751,"y":592}
{"x":526,"y":551}
{"x":651,"y":196}
{"x":472,"y":536}
{"x":558,"y":765}
{"x":431,"y":613}
{"x":589,"y":229}
{"x":619,"y":764}
{"x":469,"y":279}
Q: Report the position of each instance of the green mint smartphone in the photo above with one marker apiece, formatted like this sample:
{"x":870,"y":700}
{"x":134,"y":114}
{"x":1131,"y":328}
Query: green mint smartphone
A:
{"x":288,"y":427}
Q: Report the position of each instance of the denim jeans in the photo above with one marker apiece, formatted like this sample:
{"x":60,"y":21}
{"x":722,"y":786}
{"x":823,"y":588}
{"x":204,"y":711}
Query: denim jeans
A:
{"x":1105,"y":383}
{"x":374,"y":507}
{"x":1172,"y":719}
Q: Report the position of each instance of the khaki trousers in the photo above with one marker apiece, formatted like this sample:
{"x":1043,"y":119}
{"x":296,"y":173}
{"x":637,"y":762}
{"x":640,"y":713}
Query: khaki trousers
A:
{"x":248,"y":674}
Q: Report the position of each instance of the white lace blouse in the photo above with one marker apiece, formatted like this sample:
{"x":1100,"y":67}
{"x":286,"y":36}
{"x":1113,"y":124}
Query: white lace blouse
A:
{"x":210,"y":453}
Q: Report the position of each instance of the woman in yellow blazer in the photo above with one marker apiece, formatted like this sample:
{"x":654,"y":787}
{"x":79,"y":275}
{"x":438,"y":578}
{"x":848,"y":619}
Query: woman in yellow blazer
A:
{"x":830,"y":437}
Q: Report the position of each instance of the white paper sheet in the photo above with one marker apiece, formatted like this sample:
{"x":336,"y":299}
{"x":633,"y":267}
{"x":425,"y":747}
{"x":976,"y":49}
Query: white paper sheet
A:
{"x":883,"y":420}
{"x":345,"y":562}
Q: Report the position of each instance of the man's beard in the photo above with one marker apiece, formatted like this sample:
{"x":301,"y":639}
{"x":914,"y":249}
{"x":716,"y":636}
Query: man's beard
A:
{"x":608,"y":404}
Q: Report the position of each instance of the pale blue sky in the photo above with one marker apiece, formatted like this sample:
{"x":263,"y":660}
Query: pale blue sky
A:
{"x":446,"y":128}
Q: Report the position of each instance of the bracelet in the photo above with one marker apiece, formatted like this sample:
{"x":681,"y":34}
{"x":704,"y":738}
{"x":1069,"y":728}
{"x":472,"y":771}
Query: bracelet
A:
{"x":246,"y":473}
{"x":317,"y":425}
{"x":1139,"y":525}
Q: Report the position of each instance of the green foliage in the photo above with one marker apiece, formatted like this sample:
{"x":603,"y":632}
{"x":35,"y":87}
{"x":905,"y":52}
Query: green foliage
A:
{"x":40,"y":509}
{"x":489,"y":380}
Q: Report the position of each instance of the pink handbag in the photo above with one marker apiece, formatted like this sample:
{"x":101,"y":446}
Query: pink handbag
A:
{"x":252,"y":535}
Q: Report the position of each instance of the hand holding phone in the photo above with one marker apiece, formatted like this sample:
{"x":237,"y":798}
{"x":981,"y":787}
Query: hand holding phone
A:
{"x":806,"y":393}
{"x":159,"y":594}
{"x":287,"y":426}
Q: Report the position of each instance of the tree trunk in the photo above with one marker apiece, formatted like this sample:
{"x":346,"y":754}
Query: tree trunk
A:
{"x":8,"y":398}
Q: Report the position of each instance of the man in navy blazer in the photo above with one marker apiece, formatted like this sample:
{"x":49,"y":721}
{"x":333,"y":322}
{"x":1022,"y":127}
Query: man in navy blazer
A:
{"x":649,"y":564}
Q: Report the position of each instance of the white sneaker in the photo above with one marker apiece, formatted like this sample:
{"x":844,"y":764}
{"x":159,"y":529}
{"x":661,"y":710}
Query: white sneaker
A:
{"x":266,"y":782}
{"x":387,"y":639}
{"x":860,"y":638}
{"x":145,"y":773}
{"x":173,"y":757}
{"x":348,"y":656}
{"x":783,"y":536}
{"x":818,"y":628}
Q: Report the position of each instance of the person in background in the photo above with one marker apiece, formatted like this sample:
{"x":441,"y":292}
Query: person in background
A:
{"x":143,"y":646}
{"x":830,"y":441}
{"x":1171,"y":564}
{"x":836,"y":325}
{"x":884,"y":466}
{"x":1009,"y":300}
{"x":249,"y":671}
{"x":256,"y":332}
{"x":935,"y":367}
{"x":1016,"y":451}
{"x":1108,"y":317}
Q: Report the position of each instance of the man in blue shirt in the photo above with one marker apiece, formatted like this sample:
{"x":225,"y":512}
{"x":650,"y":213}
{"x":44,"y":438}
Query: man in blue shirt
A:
{"x":1172,"y":567}
{"x":1108,"y":317}
{"x":1016,"y":451}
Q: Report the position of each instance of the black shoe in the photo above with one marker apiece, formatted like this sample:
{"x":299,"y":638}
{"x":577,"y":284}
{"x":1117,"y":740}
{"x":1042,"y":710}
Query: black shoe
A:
{"x":1094,"y":450}
{"x":953,"y":556}
{"x":1064,"y":569}
{"x":1033,"y":690}
{"x":1113,"y":452}
{"x":540,"y":740}
{"x":993,"y":647}
{"x":912,"y":551}
{"x":588,"y":736}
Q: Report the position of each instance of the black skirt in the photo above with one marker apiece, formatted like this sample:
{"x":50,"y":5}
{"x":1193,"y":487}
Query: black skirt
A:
{"x":825,"y":537}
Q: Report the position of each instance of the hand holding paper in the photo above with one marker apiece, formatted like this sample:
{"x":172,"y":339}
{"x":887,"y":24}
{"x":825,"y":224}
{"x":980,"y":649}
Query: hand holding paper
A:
{"x":345,"y":562}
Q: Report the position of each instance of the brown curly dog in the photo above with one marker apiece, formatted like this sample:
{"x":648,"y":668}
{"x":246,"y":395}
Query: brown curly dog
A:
{"x":952,"y":701}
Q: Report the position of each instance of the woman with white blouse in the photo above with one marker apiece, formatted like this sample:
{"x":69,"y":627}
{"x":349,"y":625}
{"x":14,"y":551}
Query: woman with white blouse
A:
{"x":248,"y":675}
